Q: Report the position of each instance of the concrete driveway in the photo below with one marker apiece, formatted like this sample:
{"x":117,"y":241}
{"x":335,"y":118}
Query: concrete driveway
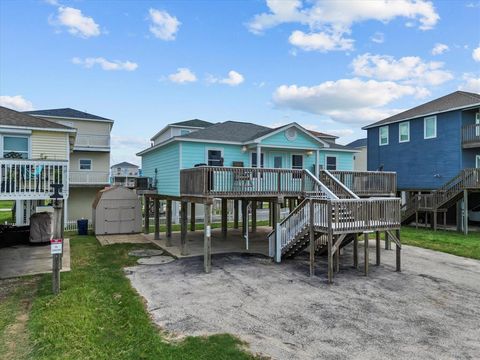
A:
{"x":429,"y":311}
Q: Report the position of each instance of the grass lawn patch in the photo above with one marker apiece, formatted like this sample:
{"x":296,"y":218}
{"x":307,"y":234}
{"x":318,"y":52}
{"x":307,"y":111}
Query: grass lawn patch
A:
{"x":6,"y":204}
{"x":446,"y":241}
{"x":99,"y":316}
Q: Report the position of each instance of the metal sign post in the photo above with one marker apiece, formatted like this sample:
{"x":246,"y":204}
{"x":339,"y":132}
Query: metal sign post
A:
{"x":56,"y":243}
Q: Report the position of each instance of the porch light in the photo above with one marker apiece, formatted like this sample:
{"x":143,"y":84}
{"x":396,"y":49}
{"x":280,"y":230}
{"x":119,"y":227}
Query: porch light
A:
{"x":244,"y":148}
{"x":309,"y":153}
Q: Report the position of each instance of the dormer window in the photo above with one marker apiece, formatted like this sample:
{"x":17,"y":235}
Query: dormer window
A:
{"x":184,"y":132}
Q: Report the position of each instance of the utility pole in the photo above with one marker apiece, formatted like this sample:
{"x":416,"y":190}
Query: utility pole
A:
{"x":56,"y":243}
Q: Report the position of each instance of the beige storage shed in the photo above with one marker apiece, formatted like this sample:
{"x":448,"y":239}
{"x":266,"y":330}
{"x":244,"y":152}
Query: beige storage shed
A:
{"x":117,"y":210}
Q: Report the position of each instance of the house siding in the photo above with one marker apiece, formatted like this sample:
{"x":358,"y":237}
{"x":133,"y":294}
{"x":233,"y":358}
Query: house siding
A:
{"x":50,"y":145}
{"x":421,"y":164}
{"x":301,"y":141}
{"x":196,"y":153}
{"x":166,"y":160}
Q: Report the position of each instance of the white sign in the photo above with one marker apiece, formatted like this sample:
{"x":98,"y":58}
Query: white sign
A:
{"x":55,"y":246}
{"x":209,"y":231}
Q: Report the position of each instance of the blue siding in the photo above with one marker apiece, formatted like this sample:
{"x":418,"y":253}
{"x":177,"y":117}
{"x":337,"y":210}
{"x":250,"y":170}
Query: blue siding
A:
{"x":196,"y":153}
{"x":167,"y":162}
{"x":420,"y":163}
{"x":302,"y":141}
{"x":344,"y":159}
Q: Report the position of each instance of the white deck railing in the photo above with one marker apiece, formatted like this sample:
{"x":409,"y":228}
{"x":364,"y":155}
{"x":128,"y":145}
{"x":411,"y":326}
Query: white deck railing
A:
{"x":92,"y":140}
{"x":31,"y":179}
{"x":89,"y":177}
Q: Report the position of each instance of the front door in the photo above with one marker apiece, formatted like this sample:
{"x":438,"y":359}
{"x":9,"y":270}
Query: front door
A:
{"x":278,"y":162}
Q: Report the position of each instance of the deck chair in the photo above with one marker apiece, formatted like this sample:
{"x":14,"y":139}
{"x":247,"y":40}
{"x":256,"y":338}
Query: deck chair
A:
{"x":242,"y":179}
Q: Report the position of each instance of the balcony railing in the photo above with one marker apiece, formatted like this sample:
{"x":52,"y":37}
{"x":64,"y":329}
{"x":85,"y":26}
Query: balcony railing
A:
{"x":89,"y":178}
{"x":369,"y":183}
{"x":31,"y":179}
{"x":92,"y":140}
{"x":471,"y":136}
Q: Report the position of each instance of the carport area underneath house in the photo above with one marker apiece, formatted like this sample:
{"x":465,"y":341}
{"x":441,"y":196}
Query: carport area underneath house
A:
{"x":430,"y":310}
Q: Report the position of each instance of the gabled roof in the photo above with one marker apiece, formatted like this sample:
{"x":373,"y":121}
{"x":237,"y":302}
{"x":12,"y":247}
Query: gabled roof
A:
{"x":124,"y":164}
{"x":323,"y":135}
{"x":230,"y":131}
{"x":194,"y":123}
{"x":67,"y":113}
{"x":358,"y":143}
{"x":456,"y":100}
{"x":12,"y":118}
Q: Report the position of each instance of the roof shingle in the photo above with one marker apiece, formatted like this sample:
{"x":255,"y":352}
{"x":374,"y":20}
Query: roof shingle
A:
{"x":9,"y":117}
{"x":67,"y":113}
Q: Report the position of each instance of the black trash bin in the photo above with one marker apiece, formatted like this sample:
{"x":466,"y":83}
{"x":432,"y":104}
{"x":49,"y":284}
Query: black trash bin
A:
{"x":82,"y":226}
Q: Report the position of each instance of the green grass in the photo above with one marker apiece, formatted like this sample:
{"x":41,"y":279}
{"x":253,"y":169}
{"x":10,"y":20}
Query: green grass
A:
{"x":446,"y":241}
{"x":176,"y":227}
{"x":99,"y":316}
{"x":6,"y":204}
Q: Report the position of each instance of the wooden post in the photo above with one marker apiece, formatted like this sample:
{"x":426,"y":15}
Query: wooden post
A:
{"x":377,"y":246}
{"x":192,"y":216}
{"x":224,"y":219}
{"x":156,"y":214}
{"x":244,"y":217}
{"x":355,"y":250}
{"x":459,"y":215}
{"x":207,"y":239}
{"x":329,"y":242}
{"x":465,"y":212}
{"x":147,"y":214}
{"x":278,"y":205}
{"x":270,"y":214}
{"x":183,"y":225}
{"x":398,"y":260}
{"x":337,"y":255}
{"x":169,"y":223}
{"x":434,"y":220}
{"x":416,"y":219}
{"x":312,"y":239}
{"x":57,"y":234}
{"x":254,"y":216}
{"x":235,"y":214}
{"x":365,"y":235}
{"x":387,"y":242}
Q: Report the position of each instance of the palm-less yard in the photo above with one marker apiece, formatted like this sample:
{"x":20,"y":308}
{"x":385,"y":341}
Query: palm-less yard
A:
{"x":99,"y":315}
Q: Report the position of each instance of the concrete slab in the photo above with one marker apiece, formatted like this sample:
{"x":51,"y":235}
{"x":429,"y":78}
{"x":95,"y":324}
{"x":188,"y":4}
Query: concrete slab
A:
{"x":30,"y":260}
{"x":145,"y":252}
{"x":235,"y":243}
{"x":155,"y":260}
{"x":428,"y":311}
{"x":122,"y":239}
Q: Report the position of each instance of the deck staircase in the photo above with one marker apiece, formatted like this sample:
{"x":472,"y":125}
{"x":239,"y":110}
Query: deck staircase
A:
{"x":442,"y":198}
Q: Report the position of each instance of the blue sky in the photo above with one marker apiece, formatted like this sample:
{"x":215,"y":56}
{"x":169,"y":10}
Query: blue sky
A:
{"x":330,"y":66}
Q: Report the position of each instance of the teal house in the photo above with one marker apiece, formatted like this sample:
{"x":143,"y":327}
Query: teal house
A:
{"x":194,"y":143}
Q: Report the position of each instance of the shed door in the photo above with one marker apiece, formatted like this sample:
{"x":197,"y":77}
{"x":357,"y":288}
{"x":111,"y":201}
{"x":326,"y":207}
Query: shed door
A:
{"x":119,"y":219}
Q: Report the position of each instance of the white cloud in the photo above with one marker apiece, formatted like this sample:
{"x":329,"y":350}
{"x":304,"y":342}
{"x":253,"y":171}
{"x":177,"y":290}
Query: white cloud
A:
{"x":17,"y":102}
{"x":164,"y":26}
{"x":340,"y":132}
{"x":182,"y":76}
{"x":234,"y":78}
{"x":105,"y":64}
{"x":471,"y":83}
{"x":320,"y":41}
{"x":345,"y":100}
{"x":124,"y":148}
{"x":329,"y":21}
{"x":439,"y":49}
{"x":476,"y":54}
{"x":408,"y":69}
{"x":378,"y":38}
{"x":77,"y":23}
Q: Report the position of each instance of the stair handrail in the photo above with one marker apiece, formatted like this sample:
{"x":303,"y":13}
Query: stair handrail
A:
{"x":292,"y":213}
{"x":339,"y":183}
{"x":330,"y":195}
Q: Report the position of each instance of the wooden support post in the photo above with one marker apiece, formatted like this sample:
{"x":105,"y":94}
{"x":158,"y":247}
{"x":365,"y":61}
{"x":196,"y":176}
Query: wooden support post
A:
{"x":192,"y":216}
{"x":312,"y":239}
{"x":272,"y":214}
{"x":416,"y":219}
{"x":465,"y":212}
{"x":235,"y":214}
{"x":387,"y":242}
{"x":329,"y":242}
{"x":183,"y":226}
{"x":57,"y":234}
{"x":377,"y":246}
{"x":291,"y":204}
{"x":398,"y":250}
{"x":156,"y":212}
{"x":146,"y":204}
{"x":365,"y":235}
{"x":355,"y":250}
{"x":224,"y":218}
{"x":254,"y":216}
{"x":445,"y":220}
{"x":459,"y":215}
{"x":207,"y":240}
{"x":337,"y":256}
{"x":169,"y":223}
{"x":434,"y":220}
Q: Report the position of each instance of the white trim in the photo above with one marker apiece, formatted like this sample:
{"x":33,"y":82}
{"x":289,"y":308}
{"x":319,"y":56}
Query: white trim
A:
{"x":40,"y":129}
{"x":326,"y":162}
{"x":250,"y":157}
{"x":91,"y":165}
{"x":477,"y":161}
{"x":207,"y":149}
{"x":169,"y":126}
{"x":71,"y":118}
{"x":306,"y":132}
{"x":15,"y":131}
{"x":425,"y":127}
{"x":400,"y":134}
{"x":468,"y":107}
{"x":380,"y":135}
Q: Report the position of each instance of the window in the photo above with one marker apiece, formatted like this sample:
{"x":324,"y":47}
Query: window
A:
{"x":85,"y":164}
{"x":15,"y":147}
{"x":477,"y":161}
{"x":331,"y":162}
{"x":215,"y":157}
{"x":254,"y":160}
{"x":430,"y":127}
{"x":297,"y":162}
{"x":277,"y":162}
{"x":477,"y":124}
{"x":383,"y":135}
{"x":404,"y":132}
{"x":184,"y":132}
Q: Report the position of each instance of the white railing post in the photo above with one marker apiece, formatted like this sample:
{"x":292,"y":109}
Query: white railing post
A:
{"x":278,"y":243}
